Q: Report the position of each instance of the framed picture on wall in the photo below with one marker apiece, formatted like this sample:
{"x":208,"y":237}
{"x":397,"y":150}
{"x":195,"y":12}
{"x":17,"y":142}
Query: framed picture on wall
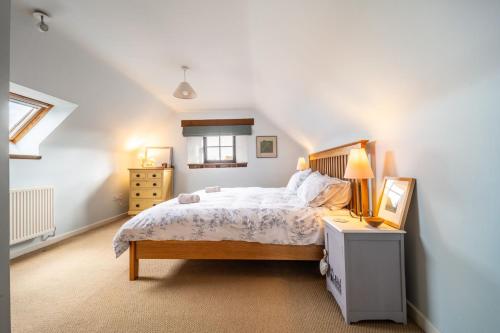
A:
{"x":267,"y":146}
{"x":159,"y":156}
{"x":395,"y":200}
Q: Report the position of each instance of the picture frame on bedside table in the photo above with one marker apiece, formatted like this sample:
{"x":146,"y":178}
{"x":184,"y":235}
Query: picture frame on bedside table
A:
{"x":395,"y":200}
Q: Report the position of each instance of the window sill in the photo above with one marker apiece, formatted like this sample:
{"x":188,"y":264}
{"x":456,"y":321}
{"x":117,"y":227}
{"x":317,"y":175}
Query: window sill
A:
{"x":217,"y":165}
{"x":24,"y":157}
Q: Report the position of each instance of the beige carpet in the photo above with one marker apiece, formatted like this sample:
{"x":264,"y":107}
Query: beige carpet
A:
{"x":78,"y":286}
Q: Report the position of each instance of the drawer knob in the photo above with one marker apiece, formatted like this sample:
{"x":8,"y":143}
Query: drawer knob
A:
{"x":154,"y":194}
{"x":137,"y":205}
{"x":137,"y":184}
{"x":154,"y":204}
{"x":154,"y":184}
{"x":154,"y":175}
{"x":137,"y":175}
{"x":137,"y":194}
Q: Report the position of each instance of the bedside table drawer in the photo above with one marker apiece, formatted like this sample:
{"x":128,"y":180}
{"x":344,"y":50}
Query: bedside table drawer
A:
{"x":145,"y":194}
{"x":143,"y":183}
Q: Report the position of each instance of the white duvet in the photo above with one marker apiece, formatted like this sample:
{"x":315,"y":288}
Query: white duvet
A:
{"x":252,"y":214}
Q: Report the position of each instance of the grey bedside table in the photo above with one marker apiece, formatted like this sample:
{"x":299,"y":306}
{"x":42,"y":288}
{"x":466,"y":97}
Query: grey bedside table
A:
{"x":366,"y":273}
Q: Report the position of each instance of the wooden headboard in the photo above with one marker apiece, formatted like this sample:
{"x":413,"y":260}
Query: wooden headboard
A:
{"x":333,"y":162}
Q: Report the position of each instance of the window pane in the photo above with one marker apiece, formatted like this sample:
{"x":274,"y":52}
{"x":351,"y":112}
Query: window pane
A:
{"x":226,"y":140}
{"x":226,"y":153}
{"x":213,"y":153}
{"x":17,"y":113}
{"x":212,"y":140}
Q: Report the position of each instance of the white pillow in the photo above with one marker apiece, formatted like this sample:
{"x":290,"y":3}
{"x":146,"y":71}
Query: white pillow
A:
{"x":339,"y":195}
{"x":297,"y":179}
{"x":312,"y":187}
{"x":317,"y":189}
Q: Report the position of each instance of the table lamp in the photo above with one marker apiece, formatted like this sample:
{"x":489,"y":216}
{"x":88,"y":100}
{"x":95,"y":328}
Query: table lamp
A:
{"x":358,"y":167}
{"x":301,"y":164}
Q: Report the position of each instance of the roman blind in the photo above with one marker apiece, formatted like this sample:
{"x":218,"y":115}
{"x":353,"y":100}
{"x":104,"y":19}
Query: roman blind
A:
{"x":216,"y":127}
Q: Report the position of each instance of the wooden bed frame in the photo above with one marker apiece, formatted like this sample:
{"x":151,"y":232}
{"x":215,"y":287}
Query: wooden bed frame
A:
{"x":332,"y":162}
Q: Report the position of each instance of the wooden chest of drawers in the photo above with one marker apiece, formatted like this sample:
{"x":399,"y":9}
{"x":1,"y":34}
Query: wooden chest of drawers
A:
{"x":149,"y":187}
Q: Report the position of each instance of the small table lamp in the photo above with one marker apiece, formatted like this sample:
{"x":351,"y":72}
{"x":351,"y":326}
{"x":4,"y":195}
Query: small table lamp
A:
{"x":358,"y":167}
{"x":301,"y":164}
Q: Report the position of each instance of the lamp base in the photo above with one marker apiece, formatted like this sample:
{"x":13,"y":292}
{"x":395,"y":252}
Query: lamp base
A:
{"x":354,"y":215}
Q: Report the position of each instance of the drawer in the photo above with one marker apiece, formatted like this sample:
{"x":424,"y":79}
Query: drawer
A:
{"x":145,"y":193}
{"x":153,"y":175}
{"x":137,"y":175}
{"x":144,"y":183}
{"x":141,"y":204}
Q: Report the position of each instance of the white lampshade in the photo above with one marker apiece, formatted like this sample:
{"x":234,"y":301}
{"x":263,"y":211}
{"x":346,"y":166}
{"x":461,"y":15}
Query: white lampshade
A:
{"x":184,"y":90}
{"x":358,"y":165}
{"x":301,"y":164}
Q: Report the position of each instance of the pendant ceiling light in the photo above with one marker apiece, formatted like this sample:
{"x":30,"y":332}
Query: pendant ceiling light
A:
{"x":184,"y":90}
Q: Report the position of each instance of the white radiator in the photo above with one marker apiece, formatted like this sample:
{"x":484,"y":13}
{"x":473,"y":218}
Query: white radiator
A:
{"x":31,"y":213}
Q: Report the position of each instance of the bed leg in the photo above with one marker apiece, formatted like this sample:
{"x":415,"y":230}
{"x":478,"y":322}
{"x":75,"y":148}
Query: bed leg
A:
{"x":134,"y":262}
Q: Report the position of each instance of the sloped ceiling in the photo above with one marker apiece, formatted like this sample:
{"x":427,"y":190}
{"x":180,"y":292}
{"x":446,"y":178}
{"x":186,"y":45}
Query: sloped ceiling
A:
{"x":315,"y":68}
{"x":149,"y":41}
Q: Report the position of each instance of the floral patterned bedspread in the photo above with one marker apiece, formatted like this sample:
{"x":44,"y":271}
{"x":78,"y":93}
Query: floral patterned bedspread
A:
{"x":253,"y":214}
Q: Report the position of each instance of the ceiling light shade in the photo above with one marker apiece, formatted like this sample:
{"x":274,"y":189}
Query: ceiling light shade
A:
{"x":184,"y":90}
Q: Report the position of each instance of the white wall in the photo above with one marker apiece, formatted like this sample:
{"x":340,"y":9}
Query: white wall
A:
{"x":419,"y":77}
{"x":86,"y":157}
{"x":265,"y":172}
{"x":4,"y":167}
{"x":451,"y":146}
{"x":422,"y":79}
{"x":60,"y":110}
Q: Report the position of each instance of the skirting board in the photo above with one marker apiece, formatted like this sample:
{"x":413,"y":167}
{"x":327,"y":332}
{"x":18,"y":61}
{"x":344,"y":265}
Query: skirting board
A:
{"x":420,"y":319}
{"x":58,"y":238}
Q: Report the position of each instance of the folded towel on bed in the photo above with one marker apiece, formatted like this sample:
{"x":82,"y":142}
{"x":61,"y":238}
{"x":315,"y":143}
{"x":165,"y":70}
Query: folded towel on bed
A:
{"x":211,"y":189}
{"x":188,"y":198}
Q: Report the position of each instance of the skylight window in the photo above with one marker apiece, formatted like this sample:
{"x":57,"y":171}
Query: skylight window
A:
{"x":24,"y":114}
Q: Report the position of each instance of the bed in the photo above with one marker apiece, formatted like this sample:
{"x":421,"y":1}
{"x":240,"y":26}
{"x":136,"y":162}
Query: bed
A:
{"x":237,"y":223}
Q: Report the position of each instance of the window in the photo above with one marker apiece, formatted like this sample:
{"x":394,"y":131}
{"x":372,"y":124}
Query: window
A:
{"x":24,"y":114}
{"x":219,"y":149}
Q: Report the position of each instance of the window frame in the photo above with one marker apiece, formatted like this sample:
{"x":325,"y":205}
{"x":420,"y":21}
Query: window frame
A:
{"x":207,"y":161}
{"x":44,"y":108}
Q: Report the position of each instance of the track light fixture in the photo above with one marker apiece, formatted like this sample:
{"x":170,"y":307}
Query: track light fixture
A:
{"x":43,"y":17}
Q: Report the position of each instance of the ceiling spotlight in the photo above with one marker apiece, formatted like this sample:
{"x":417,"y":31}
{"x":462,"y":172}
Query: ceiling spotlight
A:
{"x":184,"y":90}
{"x":43,"y":17}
